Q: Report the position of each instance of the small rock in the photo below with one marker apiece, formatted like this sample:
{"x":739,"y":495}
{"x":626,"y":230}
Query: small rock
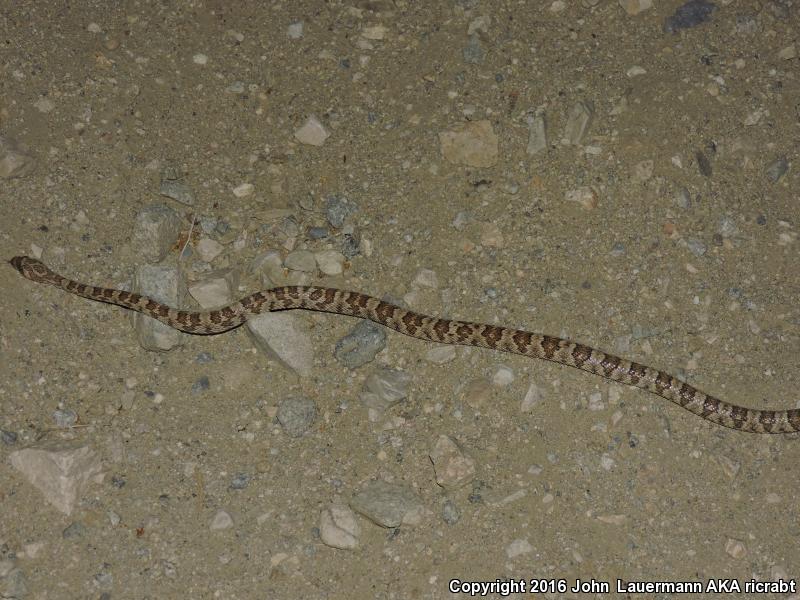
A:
{"x":450,"y":512}
{"x":296,"y":415}
{"x":426,"y":278}
{"x":295,"y":30}
{"x":361,"y":345}
{"x":243,"y":190}
{"x":221,"y":520}
{"x":533,"y":397}
{"x":388,"y":504}
{"x":473,"y":144}
{"x":503,"y":376}
{"x":537,"y":134}
{"x":301,"y":260}
{"x":385,"y":388}
{"x":339,"y":527}
{"x":634,"y":7}
{"x":208,"y":249}
{"x":453,"y":468}
{"x":579,"y":120}
{"x":689,"y":14}
{"x":518,"y":547}
{"x":338,"y":209}
{"x":735,"y":548}
{"x":177,"y":190}
{"x":585,"y":196}
{"x":15,"y":161}
{"x":216,"y":289}
{"x":284,"y":337}
{"x":312,"y":132}
{"x":330,"y":262}
{"x":166,"y":285}
{"x":440,"y":355}
{"x":777,"y":169}
{"x":155,"y":231}
{"x":60,"y":470}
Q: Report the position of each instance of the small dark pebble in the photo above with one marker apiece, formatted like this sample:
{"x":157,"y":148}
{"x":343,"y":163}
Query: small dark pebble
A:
{"x":703,"y":164}
{"x":74,"y":530}
{"x":240,"y":481}
{"x":351,"y":243}
{"x":203,"y":358}
{"x":688,"y":15}
{"x":201,"y":385}
{"x":761,"y":220}
{"x":337,"y":209}
{"x":777,"y":169}
{"x":450,"y":512}
{"x":8,"y":437}
{"x":118,"y":481}
{"x":318,"y":233}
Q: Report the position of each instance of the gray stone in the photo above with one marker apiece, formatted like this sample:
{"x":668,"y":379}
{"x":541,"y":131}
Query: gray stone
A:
{"x":166,"y":285}
{"x":155,"y":231}
{"x":296,"y":415}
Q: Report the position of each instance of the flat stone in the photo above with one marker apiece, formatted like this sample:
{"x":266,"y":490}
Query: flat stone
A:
{"x":473,"y":144}
{"x":60,"y":470}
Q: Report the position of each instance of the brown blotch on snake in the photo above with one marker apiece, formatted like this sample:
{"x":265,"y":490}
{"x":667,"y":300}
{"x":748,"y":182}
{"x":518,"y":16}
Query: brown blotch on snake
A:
{"x":425,"y":327}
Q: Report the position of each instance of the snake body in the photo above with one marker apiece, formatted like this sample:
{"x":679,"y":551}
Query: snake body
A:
{"x":444,"y":331}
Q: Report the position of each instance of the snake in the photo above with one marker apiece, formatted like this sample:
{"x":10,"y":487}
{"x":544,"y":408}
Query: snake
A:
{"x":434,"y":329}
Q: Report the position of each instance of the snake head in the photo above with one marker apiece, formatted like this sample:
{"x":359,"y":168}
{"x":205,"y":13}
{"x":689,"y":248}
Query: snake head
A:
{"x":30,"y":268}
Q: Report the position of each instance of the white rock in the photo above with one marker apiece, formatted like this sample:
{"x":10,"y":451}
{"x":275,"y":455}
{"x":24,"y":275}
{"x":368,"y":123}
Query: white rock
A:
{"x":166,"y":285}
{"x":634,"y":7}
{"x":518,"y":547}
{"x":208,"y":249}
{"x":301,"y":260}
{"x":295,"y":30}
{"x":200,"y":59}
{"x":339,"y":527}
{"x":452,"y":466}
{"x":503,"y":376}
{"x":330,"y":262}
{"x":374,"y":32}
{"x":426,"y":278}
{"x":312,"y":132}
{"x":60,"y":470}
{"x":533,"y":396}
{"x":216,"y":289}
{"x":243,"y":190}
{"x":284,"y":337}
{"x":221,"y":520}
{"x":441,"y":354}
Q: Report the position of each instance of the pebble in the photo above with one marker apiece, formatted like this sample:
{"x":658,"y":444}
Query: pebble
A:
{"x":338,"y":209}
{"x":503,"y":376}
{"x":477,"y":392}
{"x":777,"y":169}
{"x":201,"y":385}
{"x":585,"y":196}
{"x":491,"y":236}
{"x":339,"y":527}
{"x":155,"y":232}
{"x":473,"y":144}
{"x":208,"y":249}
{"x":301,"y":260}
{"x":74,"y":530}
{"x":65,"y":418}
{"x":634,"y":7}
{"x":312,"y":132}
{"x":296,"y":415}
{"x":453,"y":468}
{"x":200,"y":59}
{"x":579,"y":120}
{"x":735,"y":548}
{"x":385,"y":388}
{"x":240,"y":481}
{"x":164,"y":284}
{"x":537,"y":134}
{"x":426,"y":278}
{"x":59,"y":470}
{"x":518,"y":547}
{"x":221,"y":520}
{"x":9,"y":438}
{"x":330,"y":262}
{"x":243,"y":190}
{"x":533,"y":397}
{"x":295,"y":30}
{"x":440,"y":355}
{"x":388,"y":504}
{"x":15,"y":161}
{"x":361,"y":345}
{"x":317,"y":233}
{"x":177,"y":190}
{"x":689,"y":14}
{"x":284,"y":337}
{"x":450,"y":513}
{"x":473,"y":52}
{"x":696,"y":247}
{"x":216,"y":289}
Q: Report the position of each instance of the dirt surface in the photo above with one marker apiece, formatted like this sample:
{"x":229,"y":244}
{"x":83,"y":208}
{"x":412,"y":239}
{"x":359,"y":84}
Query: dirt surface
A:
{"x":688,"y":263}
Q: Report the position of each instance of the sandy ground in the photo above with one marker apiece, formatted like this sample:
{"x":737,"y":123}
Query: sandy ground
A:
{"x":685,"y":266}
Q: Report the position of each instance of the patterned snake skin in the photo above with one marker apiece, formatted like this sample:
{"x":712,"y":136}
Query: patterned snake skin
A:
{"x":436,"y":330}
